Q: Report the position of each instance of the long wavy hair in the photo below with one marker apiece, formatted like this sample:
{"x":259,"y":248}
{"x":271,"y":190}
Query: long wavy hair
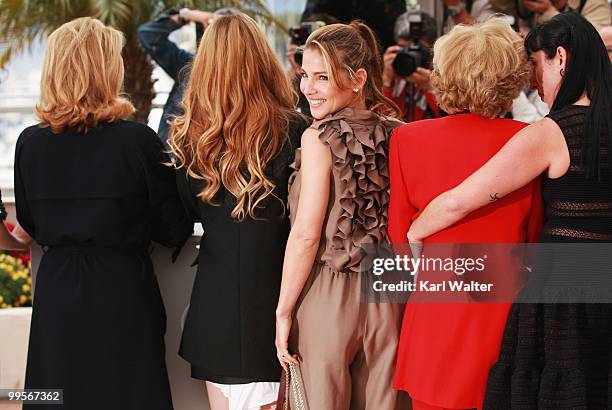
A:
{"x":82,"y":77}
{"x":237,"y":108}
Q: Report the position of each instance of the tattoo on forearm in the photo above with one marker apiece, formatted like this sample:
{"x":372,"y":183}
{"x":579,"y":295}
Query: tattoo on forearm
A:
{"x":493,"y":197}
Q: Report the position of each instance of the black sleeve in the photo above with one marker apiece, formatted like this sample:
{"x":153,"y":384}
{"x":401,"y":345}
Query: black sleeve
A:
{"x":153,"y":37}
{"x":189,"y":200}
{"x":24,"y":214}
{"x":170,"y":224}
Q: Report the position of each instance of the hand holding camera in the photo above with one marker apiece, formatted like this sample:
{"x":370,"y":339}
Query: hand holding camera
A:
{"x":197,"y":16}
{"x":388,"y":58}
{"x":203,"y":17}
{"x":290,"y":54}
{"x":421,"y":78}
{"x":411,"y":59}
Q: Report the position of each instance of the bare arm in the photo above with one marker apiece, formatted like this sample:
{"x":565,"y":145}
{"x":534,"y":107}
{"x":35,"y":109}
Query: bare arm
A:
{"x":18,"y":239}
{"x":535,"y":149}
{"x":306,"y":231}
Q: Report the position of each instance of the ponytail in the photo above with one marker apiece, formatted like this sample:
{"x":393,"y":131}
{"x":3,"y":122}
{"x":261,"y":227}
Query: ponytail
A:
{"x":351,"y":47}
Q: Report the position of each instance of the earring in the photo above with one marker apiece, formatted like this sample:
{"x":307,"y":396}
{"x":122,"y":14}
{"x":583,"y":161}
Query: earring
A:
{"x":562,"y":72}
{"x":355,"y":90}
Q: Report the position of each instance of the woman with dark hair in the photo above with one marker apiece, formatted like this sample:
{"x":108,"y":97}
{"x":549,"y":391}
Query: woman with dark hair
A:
{"x":553,"y":356}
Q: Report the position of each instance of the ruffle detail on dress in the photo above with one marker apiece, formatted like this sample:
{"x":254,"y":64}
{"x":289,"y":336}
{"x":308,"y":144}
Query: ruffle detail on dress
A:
{"x":508,"y":389}
{"x":542,"y":389}
{"x":549,"y":359}
{"x":359,"y":143}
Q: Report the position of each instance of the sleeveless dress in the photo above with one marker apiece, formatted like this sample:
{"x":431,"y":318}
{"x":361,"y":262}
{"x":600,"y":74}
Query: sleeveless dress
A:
{"x":558,"y":355}
{"x":348,"y":348}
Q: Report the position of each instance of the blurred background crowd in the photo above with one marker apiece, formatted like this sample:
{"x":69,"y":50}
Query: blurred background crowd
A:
{"x":406,"y":30}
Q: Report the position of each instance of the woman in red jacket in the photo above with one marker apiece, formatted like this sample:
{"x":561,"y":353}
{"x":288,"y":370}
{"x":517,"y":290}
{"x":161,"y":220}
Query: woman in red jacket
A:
{"x":446,"y":350}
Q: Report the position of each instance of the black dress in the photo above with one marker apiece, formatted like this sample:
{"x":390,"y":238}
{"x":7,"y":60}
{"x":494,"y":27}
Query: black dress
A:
{"x":95,"y":201}
{"x":558,"y":355}
{"x":230,"y":327}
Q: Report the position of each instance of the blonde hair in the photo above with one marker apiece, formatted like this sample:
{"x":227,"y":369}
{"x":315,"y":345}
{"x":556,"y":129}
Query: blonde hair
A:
{"x":237,"y":108}
{"x":82,"y":77}
{"x":479,"y":68}
{"x":349,"y":47}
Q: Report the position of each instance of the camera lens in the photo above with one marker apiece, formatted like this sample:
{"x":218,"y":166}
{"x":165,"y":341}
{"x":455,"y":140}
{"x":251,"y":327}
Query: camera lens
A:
{"x":406,"y":62}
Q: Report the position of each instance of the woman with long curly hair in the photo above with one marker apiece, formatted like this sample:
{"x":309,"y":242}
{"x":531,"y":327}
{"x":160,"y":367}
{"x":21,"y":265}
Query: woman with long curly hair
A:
{"x":233,"y":147}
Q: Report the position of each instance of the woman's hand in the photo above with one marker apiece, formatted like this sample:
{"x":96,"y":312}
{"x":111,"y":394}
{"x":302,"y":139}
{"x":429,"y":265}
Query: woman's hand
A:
{"x":203,"y":17}
{"x":388,"y":58}
{"x":283,"y":327}
{"x":421,"y":78}
{"x":416,"y":244}
{"x":290,"y":54}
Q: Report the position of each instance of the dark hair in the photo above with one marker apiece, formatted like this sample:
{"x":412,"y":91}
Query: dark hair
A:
{"x":350,"y":47}
{"x":588,"y":71}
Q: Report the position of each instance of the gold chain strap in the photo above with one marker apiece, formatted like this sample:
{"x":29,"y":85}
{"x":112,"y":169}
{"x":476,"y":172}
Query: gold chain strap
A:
{"x":286,"y":403}
{"x":295,"y":383}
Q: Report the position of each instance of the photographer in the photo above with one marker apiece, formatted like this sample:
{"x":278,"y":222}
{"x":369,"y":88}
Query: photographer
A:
{"x":154,"y":39}
{"x":536,"y":12}
{"x":406,"y":73}
{"x":378,"y":14}
{"x":596,"y":11}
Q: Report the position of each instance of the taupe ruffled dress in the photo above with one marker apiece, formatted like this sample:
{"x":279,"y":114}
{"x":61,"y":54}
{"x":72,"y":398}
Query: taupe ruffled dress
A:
{"x":348,"y":348}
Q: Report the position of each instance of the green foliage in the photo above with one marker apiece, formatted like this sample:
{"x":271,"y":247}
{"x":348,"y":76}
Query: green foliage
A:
{"x":23,"y":21}
{"x":15,"y":282}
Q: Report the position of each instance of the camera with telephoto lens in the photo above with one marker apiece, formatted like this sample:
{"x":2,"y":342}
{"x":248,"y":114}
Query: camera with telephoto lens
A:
{"x":408,"y":59}
{"x":300,"y":34}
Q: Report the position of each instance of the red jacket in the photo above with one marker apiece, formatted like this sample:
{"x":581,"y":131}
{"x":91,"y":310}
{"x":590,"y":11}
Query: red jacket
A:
{"x":446,"y":350}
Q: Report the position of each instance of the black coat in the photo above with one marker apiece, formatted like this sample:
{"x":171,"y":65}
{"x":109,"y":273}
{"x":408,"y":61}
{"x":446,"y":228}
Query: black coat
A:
{"x":230,"y":328}
{"x":95,"y":201}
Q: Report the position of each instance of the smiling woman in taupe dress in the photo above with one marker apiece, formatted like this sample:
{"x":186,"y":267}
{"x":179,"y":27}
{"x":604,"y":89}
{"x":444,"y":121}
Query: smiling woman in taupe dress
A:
{"x":338,"y":199}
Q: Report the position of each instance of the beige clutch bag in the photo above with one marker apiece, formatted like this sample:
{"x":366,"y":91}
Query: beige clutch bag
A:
{"x":291,"y":395}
